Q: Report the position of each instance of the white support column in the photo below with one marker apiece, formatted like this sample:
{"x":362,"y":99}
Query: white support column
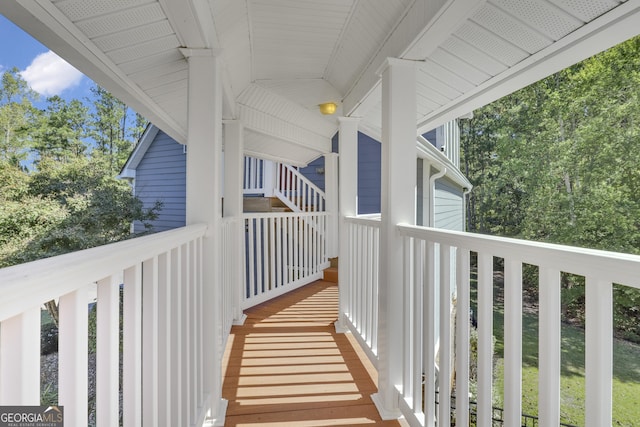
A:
{"x":233,"y":183}
{"x":331,"y":197}
{"x":348,"y":205}
{"x":398,"y":179}
{"x":204,"y":202}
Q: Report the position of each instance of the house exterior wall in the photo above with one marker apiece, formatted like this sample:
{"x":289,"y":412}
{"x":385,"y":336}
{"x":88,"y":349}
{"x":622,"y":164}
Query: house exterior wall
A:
{"x":161,"y":175}
{"x":369,"y":166}
{"x":369,"y":163}
{"x":314,"y":172}
{"x":448,"y":205}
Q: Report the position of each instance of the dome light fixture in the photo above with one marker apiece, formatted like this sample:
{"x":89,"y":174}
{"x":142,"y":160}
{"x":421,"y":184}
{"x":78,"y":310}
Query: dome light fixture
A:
{"x":328,"y":108}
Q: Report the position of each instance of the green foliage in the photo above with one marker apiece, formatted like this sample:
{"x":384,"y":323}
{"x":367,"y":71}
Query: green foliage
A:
{"x":558,"y":162}
{"x":67,"y":207}
{"x":110,"y":128}
{"x":48,"y":339}
{"x":62,"y":130}
{"x":70,"y":199}
{"x":16,"y":116}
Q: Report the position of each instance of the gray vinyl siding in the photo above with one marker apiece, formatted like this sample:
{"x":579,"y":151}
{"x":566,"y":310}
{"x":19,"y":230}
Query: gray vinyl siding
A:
{"x":161,"y":175}
{"x":449,"y":212}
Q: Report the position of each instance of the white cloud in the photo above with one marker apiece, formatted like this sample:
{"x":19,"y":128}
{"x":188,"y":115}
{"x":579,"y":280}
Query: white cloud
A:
{"x":49,"y":75}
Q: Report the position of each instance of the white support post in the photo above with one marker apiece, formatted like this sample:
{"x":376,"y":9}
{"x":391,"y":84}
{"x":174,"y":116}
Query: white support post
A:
{"x":348,"y":205}
{"x":268,"y":177}
{"x":233,"y":170}
{"x":73,"y":362}
{"x":398,"y":178}
{"x":20,"y":359}
{"x":204,"y":203}
{"x":331,"y":197}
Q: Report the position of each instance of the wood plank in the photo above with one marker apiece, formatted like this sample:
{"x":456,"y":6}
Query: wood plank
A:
{"x":287,"y":366}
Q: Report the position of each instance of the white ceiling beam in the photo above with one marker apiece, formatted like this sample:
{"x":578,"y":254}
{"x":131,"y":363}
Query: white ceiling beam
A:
{"x":277,"y":159}
{"x":608,"y":30}
{"x":271,"y":125}
{"x":420,"y":31}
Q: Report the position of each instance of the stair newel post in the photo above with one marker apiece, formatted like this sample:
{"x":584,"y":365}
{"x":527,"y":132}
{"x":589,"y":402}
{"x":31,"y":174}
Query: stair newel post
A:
{"x":233,"y":205}
{"x":398,"y":179}
{"x":348,"y":198}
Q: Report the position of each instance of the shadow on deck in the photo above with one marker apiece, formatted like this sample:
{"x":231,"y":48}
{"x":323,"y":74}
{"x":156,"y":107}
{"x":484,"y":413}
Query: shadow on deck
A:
{"x":286,"y":366}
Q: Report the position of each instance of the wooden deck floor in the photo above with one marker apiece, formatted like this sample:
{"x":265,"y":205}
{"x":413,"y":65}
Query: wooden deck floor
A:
{"x":286,"y":366}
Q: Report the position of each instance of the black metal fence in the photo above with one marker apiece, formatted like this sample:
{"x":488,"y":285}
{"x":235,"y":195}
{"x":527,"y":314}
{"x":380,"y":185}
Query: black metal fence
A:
{"x":496,"y":416}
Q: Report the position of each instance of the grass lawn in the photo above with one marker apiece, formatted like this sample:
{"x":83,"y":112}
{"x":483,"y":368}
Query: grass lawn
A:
{"x":626,"y":373}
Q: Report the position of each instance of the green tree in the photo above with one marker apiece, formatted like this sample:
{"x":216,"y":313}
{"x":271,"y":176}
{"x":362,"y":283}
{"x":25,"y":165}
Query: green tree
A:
{"x":69,"y":199}
{"x":62,"y":130}
{"x":558,"y":162}
{"x":16,"y":116}
{"x":110,"y":130}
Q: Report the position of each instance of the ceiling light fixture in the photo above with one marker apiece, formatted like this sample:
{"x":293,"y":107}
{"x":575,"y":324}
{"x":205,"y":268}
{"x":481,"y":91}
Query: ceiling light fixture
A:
{"x":328,"y":108}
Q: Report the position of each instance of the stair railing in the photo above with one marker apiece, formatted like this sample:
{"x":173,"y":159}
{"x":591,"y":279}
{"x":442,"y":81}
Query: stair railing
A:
{"x":297,"y":191}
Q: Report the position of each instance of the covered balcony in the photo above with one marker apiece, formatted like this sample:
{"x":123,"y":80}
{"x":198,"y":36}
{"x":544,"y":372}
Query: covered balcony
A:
{"x":247,"y":77}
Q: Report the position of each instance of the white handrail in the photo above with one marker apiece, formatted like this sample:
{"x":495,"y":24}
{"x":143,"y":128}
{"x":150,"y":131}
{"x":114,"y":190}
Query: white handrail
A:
{"x":297,"y":191}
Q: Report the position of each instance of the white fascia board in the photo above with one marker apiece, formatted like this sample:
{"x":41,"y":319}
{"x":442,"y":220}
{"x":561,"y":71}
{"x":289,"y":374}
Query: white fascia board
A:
{"x":410,"y":39}
{"x":612,"y":28}
{"x":43,"y":21}
{"x":430,"y":153}
{"x":136,"y":156}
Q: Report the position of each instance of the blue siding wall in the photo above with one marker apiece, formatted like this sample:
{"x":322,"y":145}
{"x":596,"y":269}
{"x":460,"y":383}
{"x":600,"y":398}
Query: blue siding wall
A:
{"x":369,"y":163}
{"x":312,"y":172}
{"x":369,"y":167}
{"x":449,"y":206}
{"x":161,"y":175}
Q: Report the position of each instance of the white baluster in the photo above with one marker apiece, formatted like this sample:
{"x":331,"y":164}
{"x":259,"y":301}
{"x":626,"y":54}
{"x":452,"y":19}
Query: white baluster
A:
{"x":72,"y":353}
{"x":20,"y":359}
{"x":108,"y":352}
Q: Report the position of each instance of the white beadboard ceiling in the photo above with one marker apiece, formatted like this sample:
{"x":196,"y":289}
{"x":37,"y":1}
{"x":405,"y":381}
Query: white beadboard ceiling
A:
{"x":281,"y":58}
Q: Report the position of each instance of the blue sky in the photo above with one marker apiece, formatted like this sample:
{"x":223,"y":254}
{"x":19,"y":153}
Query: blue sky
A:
{"x":44,"y":71}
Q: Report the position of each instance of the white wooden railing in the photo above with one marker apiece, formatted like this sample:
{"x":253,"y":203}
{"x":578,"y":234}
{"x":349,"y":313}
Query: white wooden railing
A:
{"x":362,"y":301}
{"x":283,"y":251}
{"x":254,"y":175}
{"x":428,"y":257}
{"x":297,"y":191}
{"x":164,"y":361}
{"x":230,"y":280}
